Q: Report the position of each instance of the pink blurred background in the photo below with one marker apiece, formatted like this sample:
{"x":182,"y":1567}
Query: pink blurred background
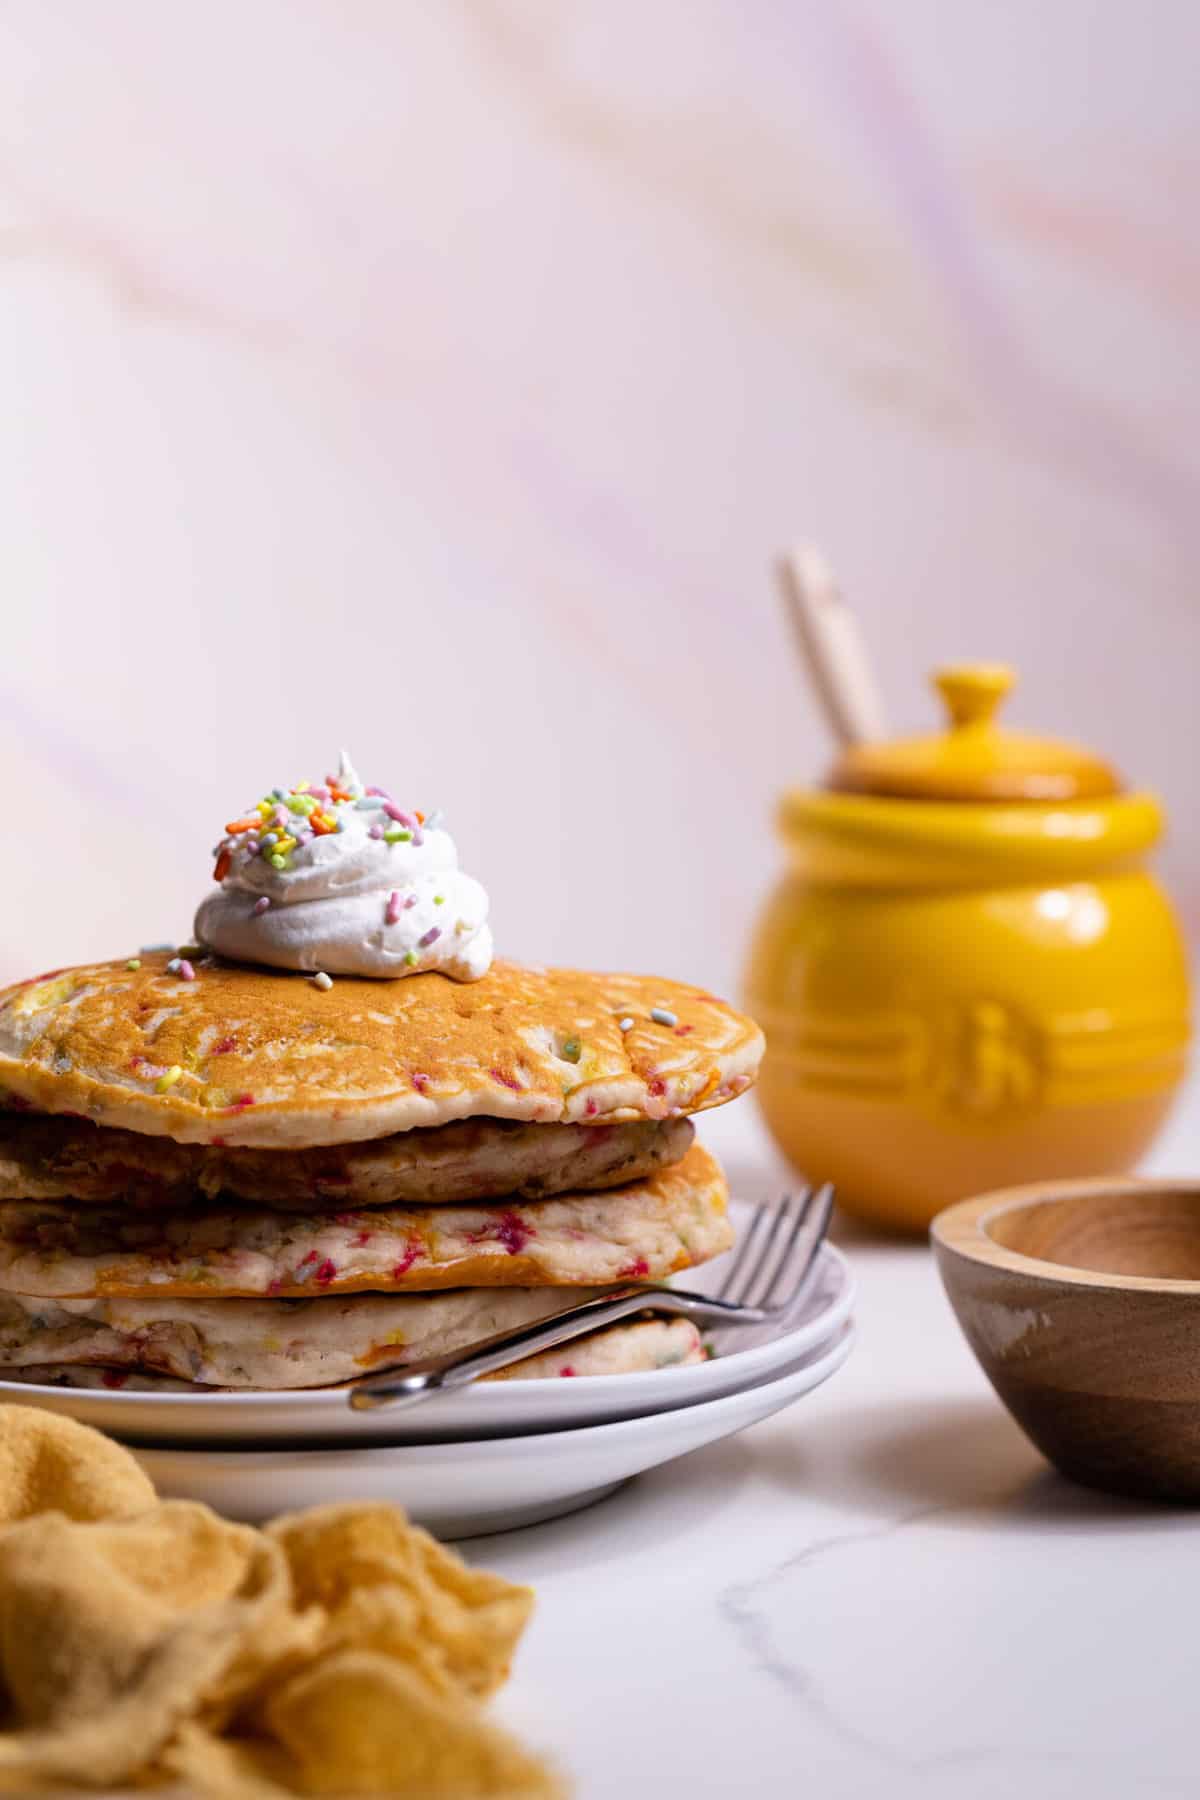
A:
{"x":439,"y":379}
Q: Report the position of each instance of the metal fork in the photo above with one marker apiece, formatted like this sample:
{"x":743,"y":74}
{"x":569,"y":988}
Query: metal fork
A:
{"x":767,"y":1279}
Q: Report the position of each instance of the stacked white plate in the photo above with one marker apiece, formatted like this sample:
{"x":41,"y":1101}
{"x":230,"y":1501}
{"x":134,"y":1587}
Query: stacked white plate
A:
{"x":491,"y":1457}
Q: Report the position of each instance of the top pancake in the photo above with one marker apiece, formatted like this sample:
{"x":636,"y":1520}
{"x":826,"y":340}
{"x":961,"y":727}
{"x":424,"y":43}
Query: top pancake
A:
{"x":244,"y":1055}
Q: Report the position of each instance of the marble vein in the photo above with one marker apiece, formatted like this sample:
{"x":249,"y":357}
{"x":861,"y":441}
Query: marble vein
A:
{"x":60,"y":242}
{"x":1048,"y":411}
{"x":741,"y":1606}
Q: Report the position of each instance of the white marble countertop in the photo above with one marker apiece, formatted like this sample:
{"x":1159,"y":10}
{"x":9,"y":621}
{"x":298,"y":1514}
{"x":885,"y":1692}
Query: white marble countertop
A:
{"x":883,"y":1590}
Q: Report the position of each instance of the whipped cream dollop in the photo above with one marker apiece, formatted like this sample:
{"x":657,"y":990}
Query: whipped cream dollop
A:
{"x":337,"y":877}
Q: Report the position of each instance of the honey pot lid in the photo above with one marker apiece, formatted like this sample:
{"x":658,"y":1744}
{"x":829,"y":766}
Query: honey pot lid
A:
{"x":974,"y":758}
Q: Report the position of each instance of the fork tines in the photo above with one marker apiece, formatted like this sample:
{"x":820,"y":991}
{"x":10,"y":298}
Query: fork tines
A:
{"x":776,"y":1256}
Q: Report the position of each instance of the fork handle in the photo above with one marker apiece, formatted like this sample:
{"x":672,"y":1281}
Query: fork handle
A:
{"x":438,"y":1374}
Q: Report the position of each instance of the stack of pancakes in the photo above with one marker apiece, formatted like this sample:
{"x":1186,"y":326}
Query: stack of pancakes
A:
{"x":238,"y":1179}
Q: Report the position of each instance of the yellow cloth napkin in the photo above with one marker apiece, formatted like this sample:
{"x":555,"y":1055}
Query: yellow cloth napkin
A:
{"x":338,"y":1651}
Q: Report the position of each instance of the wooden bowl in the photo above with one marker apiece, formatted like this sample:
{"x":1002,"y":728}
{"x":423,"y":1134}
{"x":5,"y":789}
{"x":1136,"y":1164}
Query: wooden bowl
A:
{"x":1081,"y":1300}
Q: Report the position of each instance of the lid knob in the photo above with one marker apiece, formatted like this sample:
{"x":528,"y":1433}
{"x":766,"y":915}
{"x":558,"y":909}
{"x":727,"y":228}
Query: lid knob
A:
{"x":972,"y":692}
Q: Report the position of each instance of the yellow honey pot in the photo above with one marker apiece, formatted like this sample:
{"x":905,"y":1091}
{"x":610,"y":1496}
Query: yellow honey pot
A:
{"x":967,"y":975}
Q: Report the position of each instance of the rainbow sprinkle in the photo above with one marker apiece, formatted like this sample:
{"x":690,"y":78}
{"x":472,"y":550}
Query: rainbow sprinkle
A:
{"x":287,"y":820}
{"x":392,"y":912}
{"x":168,"y":1079}
{"x":662,"y":1015}
{"x":624,"y":1024}
{"x":323,"y":981}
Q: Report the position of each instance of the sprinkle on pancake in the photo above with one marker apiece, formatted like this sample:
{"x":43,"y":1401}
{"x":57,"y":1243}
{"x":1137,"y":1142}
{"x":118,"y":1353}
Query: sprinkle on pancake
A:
{"x":248,"y":1056}
{"x":642,"y":1232}
{"x":199,"y":1345}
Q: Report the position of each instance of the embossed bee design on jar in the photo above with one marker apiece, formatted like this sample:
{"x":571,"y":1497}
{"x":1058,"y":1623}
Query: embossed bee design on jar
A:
{"x":968,"y":975}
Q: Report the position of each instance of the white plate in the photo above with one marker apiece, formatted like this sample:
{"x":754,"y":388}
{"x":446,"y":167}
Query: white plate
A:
{"x":498,"y":1484}
{"x":487,"y":1409}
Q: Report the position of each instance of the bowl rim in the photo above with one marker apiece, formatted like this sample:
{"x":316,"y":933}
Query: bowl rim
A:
{"x":961,"y":1229}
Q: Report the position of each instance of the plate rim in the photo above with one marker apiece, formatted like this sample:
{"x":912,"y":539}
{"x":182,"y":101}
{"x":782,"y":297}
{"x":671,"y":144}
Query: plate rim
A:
{"x":831,"y":1358}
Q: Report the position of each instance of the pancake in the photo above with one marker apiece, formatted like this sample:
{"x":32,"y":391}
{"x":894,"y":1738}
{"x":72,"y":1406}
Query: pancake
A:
{"x":43,"y":1157}
{"x":631,"y":1348}
{"x":644,"y":1231}
{"x":249,"y":1056}
{"x":311,"y":1343}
